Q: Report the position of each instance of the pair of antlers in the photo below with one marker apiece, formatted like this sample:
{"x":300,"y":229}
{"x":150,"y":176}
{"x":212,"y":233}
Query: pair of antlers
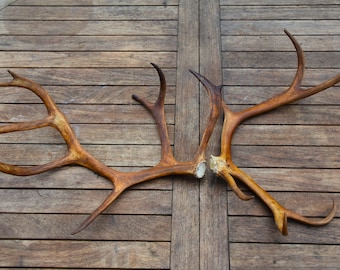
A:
{"x":222,"y":165}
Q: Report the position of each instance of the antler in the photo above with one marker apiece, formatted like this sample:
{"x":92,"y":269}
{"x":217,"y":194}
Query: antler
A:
{"x":224,"y":166}
{"x":76,"y":154}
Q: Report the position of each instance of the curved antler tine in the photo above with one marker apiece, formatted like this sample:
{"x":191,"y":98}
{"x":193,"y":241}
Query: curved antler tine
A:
{"x":37,"y":89}
{"x":301,"y":62}
{"x":162,"y":87}
{"x":282,"y":214}
{"x":25,"y":171}
{"x":233,"y":185}
{"x":215,"y":97}
{"x":105,"y":204}
{"x":313,"y":222}
{"x":161,"y":94}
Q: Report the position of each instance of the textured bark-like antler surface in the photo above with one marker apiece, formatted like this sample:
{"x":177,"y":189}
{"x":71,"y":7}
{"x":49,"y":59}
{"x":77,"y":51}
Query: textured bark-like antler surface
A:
{"x":224,"y":166}
{"x":76,"y":154}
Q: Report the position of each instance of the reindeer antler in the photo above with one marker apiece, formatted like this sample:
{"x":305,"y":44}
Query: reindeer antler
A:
{"x":76,"y":154}
{"x":224,"y":166}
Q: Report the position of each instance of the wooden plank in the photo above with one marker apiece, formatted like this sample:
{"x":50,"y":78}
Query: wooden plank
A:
{"x":286,"y":156}
{"x":136,"y":114}
{"x":287,"y":135}
{"x":108,"y":227}
{"x":89,"y":28}
{"x":49,"y":201}
{"x":72,"y":94}
{"x":283,"y":179}
{"x":279,"y":43}
{"x":263,"y":230}
{"x":91,"y":12}
{"x":86,"y":59}
{"x":92,"y":134}
{"x":74,"y":254}
{"x":271,"y":12}
{"x":284,"y":256}
{"x":185,"y":216}
{"x":88,"y":43}
{"x":275,"y":27}
{"x":94,"y":2}
{"x":305,"y":203}
{"x":76,"y":177}
{"x":111,"y":155}
{"x":92,"y":76}
{"x":279,"y":60}
{"x":87,"y":114}
{"x":213,"y":213}
{"x":274,"y":77}
{"x":255,"y":94}
{"x":278,"y":2}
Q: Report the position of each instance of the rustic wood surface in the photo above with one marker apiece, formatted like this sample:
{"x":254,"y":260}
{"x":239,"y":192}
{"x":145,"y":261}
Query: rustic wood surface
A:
{"x":91,"y":56}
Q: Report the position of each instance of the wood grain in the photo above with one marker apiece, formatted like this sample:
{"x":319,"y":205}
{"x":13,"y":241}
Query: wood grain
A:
{"x":98,"y":254}
{"x":283,"y":256}
{"x":71,"y":201}
{"x":213,"y":196}
{"x":185,"y":217}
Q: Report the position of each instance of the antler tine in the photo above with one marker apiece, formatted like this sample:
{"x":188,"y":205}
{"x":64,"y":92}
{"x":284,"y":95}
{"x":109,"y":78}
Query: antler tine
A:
{"x":157,"y":111}
{"x":54,"y":119}
{"x":224,"y":166}
{"x":215,"y":98}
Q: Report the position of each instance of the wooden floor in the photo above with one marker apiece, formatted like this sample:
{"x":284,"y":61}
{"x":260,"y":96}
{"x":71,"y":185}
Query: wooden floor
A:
{"x":91,"y":55}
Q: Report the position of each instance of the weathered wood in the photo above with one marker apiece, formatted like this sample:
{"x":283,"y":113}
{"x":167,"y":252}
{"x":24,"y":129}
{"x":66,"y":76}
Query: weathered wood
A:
{"x":136,"y":114}
{"x":88,"y":43}
{"x":274,"y":77}
{"x":75,"y":177}
{"x":95,"y":254}
{"x":97,"y":13}
{"x":286,"y":156}
{"x":256,"y":94}
{"x":92,"y":94}
{"x":105,"y":28}
{"x":278,"y":2}
{"x":283,"y":256}
{"x":110,"y":155}
{"x":297,"y":114}
{"x":86,"y":59}
{"x":299,"y":179}
{"x":275,"y":27}
{"x":59,"y":226}
{"x":185,"y":216}
{"x":287,"y":135}
{"x":280,"y":59}
{"x":270,"y":12}
{"x":72,"y":202}
{"x":92,"y":76}
{"x":92,"y":134}
{"x":281,"y":43}
{"x":213,"y":195}
{"x":309,"y":204}
{"x":86,"y":114}
{"x":95,"y":2}
{"x":262,"y":230}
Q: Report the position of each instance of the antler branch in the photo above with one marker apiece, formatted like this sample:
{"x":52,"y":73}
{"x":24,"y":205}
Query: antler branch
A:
{"x":224,"y":166}
{"x":76,"y":154}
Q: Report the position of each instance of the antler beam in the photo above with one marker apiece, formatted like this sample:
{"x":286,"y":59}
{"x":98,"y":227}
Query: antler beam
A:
{"x":77,"y":155}
{"x":224,"y":166}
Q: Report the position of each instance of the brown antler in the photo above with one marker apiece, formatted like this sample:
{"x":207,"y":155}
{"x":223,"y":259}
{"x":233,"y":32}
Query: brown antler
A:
{"x":224,"y":166}
{"x":76,"y":154}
